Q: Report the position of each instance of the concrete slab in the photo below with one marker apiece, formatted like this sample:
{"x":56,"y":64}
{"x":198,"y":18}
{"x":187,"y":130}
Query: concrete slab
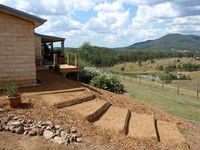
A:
{"x":90,"y":110}
{"x":114,"y":119}
{"x":142,"y":126}
{"x":170,"y":135}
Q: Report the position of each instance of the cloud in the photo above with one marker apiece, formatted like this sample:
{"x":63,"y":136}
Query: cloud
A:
{"x":113,"y":23}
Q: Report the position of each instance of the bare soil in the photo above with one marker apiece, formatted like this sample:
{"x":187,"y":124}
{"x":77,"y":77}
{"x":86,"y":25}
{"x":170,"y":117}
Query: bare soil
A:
{"x":34,"y":107}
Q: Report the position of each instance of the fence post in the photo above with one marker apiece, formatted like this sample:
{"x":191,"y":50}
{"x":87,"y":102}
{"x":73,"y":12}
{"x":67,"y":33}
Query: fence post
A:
{"x":197,"y":94}
{"x":54,"y":59}
{"x":178,"y":90}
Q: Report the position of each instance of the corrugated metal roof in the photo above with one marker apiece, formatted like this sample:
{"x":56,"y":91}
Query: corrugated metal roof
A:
{"x":37,"y":20}
{"x":48,"y":38}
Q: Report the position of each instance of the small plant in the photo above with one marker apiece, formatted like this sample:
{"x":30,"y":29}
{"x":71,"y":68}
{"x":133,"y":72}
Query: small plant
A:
{"x":107,"y":82}
{"x":11,"y":89}
{"x":56,"y":68}
{"x":122,"y":68}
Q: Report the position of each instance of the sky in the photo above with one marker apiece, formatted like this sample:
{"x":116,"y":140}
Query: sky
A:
{"x":112,"y":23}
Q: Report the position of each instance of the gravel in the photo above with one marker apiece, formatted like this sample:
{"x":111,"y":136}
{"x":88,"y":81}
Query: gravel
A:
{"x":45,"y":129}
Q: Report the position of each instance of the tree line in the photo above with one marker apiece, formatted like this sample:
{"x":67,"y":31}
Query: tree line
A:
{"x":106,"y":57}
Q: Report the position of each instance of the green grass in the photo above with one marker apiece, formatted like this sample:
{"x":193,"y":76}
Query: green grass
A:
{"x":148,"y":67}
{"x":187,"y":107}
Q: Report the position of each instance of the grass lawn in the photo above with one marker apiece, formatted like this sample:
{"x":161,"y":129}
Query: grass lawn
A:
{"x":179,"y":105}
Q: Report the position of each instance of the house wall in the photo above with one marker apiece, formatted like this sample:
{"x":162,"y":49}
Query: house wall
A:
{"x":17,"y":50}
{"x":38,"y":51}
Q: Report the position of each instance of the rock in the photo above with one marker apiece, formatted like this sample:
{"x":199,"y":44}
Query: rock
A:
{"x":58,"y":140}
{"x":32,"y":133}
{"x":15,"y":118}
{"x":57,"y":133}
{"x":40,"y":132}
{"x":57,"y":127}
{"x":19,"y":130}
{"x":5,"y":119}
{"x":73,"y":130}
{"x":79,"y":139}
{"x":63,"y":134}
{"x":76,"y":135}
{"x":6,"y":128}
{"x":48,"y":134}
{"x":25,"y":132}
{"x":68,"y":131}
{"x":48,"y":122}
{"x":14,"y":123}
{"x":1,"y":128}
{"x":1,"y":110}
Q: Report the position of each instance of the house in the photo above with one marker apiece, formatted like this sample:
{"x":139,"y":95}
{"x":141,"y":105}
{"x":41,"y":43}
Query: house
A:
{"x":20,"y":46}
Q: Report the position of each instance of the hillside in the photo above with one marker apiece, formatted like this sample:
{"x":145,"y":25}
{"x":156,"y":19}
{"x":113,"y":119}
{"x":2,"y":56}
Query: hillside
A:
{"x":169,"y":42}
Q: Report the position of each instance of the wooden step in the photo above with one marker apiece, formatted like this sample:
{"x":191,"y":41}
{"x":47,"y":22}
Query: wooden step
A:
{"x":170,"y":136}
{"x":142,"y":126}
{"x":91,"y":110}
{"x":115,"y":119}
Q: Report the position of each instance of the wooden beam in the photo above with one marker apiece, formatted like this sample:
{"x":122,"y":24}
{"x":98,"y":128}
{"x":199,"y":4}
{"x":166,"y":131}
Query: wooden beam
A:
{"x":62,"y":47}
{"x":68,"y":59}
{"x":76,"y":60}
{"x":54,"y":59}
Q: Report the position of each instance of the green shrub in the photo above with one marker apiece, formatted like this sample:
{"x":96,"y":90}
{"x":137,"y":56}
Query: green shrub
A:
{"x":107,"y":82}
{"x":161,"y":68}
{"x":88,"y":73}
{"x":122,"y":68}
{"x":10,"y":89}
{"x":56,"y":67}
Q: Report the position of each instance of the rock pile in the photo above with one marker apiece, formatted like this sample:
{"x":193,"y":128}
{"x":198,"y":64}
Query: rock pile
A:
{"x":35,"y":128}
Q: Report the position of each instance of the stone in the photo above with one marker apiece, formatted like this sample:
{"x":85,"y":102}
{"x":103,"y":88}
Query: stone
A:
{"x":19,"y":130}
{"x":25,"y":132}
{"x":57,"y":127}
{"x":76,"y":135}
{"x":1,"y":110}
{"x":32,"y":133}
{"x":68,"y":131}
{"x":15,"y":118}
{"x":73,"y":130}
{"x":58,"y":140}
{"x":6,"y":128}
{"x":48,"y":134}
{"x":1,"y":128}
{"x":14,"y":123}
{"x":63,"y":134}
{"x":40,"y":132}
{"x":5,"y":119}
{"x":79,"y":139}
{"x":57,"y":133}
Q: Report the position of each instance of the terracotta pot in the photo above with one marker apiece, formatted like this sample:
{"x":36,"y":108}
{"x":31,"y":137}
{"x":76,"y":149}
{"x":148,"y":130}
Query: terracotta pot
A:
{"x":14,"y":101}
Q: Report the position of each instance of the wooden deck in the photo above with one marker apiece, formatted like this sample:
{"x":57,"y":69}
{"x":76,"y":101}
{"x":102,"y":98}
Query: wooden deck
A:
{"x":69,"y":68}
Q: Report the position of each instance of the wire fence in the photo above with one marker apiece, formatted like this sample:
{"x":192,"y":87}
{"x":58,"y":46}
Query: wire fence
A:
{"x":156,"y":84}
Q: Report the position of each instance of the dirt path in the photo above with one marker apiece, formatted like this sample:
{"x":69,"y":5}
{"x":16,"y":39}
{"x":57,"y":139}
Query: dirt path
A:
{"x":11,"y":141}
{"x":34,"y":107}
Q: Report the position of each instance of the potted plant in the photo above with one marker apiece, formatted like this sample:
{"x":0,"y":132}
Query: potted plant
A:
{"x":12,"y":93}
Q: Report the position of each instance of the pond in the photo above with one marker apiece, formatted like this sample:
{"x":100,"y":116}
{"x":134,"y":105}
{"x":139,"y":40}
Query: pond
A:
{"x":151,"y":77}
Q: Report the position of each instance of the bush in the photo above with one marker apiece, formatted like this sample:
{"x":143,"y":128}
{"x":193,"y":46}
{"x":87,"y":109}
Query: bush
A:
{"x":161,"y":68}
{"x":56,"y":68}
{"x":122,"y":68}
{"x":107,"y":82}
{"x":10,"y":89}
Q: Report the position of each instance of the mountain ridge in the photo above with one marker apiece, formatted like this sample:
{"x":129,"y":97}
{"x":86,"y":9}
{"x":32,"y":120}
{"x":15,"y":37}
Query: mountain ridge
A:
{"x":169,"y":42}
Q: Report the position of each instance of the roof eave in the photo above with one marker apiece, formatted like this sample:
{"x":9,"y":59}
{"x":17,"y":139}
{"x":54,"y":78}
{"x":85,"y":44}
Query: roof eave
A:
{"x":36,"y":20}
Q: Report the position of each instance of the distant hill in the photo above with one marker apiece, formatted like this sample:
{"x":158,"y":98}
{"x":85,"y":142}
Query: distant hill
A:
{"x":169,"y":42}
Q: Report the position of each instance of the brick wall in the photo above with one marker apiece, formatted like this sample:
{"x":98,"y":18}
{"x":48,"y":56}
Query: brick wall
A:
{"x":17,"y":50}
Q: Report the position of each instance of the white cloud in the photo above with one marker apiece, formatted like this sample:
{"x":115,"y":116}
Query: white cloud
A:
{"x":112,"y":22}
